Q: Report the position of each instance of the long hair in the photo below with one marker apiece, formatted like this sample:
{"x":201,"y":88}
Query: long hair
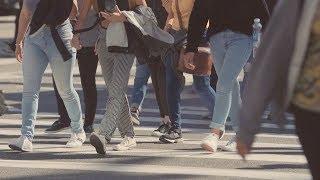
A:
{"x":135,"y":3}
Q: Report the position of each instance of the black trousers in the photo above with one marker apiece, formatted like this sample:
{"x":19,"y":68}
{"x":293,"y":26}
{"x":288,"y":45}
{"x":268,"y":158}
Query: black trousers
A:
{"x":88,"y":62}
{"x":307,"y":127}
{"x":158,"y":76}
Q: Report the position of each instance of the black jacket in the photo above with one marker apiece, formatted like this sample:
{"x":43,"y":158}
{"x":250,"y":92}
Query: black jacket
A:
{"x":236,"y":15}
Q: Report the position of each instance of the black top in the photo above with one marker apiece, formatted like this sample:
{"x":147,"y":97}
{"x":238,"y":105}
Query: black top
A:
{"x":236,"y":15}
{"x":51,"y":13}
{"x":123,"y":5}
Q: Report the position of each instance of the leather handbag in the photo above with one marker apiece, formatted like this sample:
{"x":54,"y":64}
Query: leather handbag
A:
{"x":203,"y":61}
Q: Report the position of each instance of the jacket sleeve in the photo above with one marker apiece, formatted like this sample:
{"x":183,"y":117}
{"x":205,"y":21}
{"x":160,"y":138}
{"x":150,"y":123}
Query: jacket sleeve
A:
{"x":197,"y":24}
{"x":269,"y":72}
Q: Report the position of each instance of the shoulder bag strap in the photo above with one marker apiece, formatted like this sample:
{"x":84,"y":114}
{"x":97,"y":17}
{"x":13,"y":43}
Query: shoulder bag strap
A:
{"x":179,"y":14}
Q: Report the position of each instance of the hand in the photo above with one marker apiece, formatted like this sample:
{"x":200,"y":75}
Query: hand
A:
{"x":19,"y":52}
{"x":242,"y":149}
{"x":188,"y":60}
{"x":75,"y":42}
{"x":117,"y":16}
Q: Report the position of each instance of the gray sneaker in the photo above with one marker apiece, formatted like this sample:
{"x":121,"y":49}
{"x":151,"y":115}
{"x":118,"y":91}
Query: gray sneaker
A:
{"x":22,"y":144}
{"x":126,"y":144}
{"x":98,"y":142}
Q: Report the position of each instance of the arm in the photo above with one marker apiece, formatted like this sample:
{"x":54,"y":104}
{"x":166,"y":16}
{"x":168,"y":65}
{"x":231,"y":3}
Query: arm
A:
{"x":24,"y":21}
{"x":167,"y":4}
{"x":197,"y":24}
{"x":274,"y":55}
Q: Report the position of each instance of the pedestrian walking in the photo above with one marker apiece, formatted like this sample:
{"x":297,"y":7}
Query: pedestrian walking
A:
{"x":179,"y":12}
{"x":116,"y":59}
{"x":155,"y":68}
{"x":290,"y":49}
{"x":87,"y":62}
{"x":48,"y":41}
{"x":231,"y":45}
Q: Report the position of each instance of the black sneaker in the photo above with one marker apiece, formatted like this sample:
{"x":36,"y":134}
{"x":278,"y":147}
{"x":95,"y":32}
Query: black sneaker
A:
{"x":135,"y":116}
{"x":88,"y":129}
{"x":57,"y":126}
{"x":173,"y":136}
{"x":98,"y":142}
{"x":163,"y":129}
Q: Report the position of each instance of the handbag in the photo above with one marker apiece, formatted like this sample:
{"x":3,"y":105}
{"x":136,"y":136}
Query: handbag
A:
{"x":203,"y":61}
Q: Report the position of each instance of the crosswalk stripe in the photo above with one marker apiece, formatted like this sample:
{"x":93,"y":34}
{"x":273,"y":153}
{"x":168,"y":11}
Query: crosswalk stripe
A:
{"x":154,"y":169}
{"x":164,"y":153}
{"x":48,"y":122}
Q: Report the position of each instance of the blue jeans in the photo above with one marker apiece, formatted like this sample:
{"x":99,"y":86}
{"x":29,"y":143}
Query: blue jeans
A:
{"x":231,"y":51}
{"x":175,"y":82}
{"x":140,"y":85}
{"x":205,"y":91}
{"x":39,"y":51}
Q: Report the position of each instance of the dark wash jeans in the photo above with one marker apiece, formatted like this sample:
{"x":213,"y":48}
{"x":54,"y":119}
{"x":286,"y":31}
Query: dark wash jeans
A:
{"x":88,"y":62}
{"x":175,"y":82}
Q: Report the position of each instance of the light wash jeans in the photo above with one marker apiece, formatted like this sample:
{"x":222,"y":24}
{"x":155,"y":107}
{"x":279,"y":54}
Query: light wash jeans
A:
{"x":231,"y":51}
{"x":39,"y":51}
{"x":140,"y":85}
{"x":205,"y":91}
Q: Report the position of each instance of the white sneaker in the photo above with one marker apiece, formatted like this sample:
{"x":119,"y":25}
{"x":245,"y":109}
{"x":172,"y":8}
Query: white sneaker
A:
{"x":231,"y":146}
{"x":210,"y":143}
{"x":22,"y":144}
{"x":126,"y":144}
{"x":76,"y":140}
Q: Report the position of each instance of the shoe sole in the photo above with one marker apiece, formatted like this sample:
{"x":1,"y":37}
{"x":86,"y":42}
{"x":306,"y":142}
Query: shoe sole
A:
{"x":16,"y":148}
{"x":129,"y":148}
{"x":96,"y":143}
{"x":226,"y":149}
{"x":53,"y":132}
{"x":168,"y":141}
{"x":156,"y":134}
{"x":207,"y":148}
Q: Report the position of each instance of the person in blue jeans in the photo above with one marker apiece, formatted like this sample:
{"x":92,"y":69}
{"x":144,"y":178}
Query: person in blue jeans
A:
{"x":48,"y":41}
{"x":139,"y":92}
{"x":231,"y":45}
{"x":206,"y":92}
